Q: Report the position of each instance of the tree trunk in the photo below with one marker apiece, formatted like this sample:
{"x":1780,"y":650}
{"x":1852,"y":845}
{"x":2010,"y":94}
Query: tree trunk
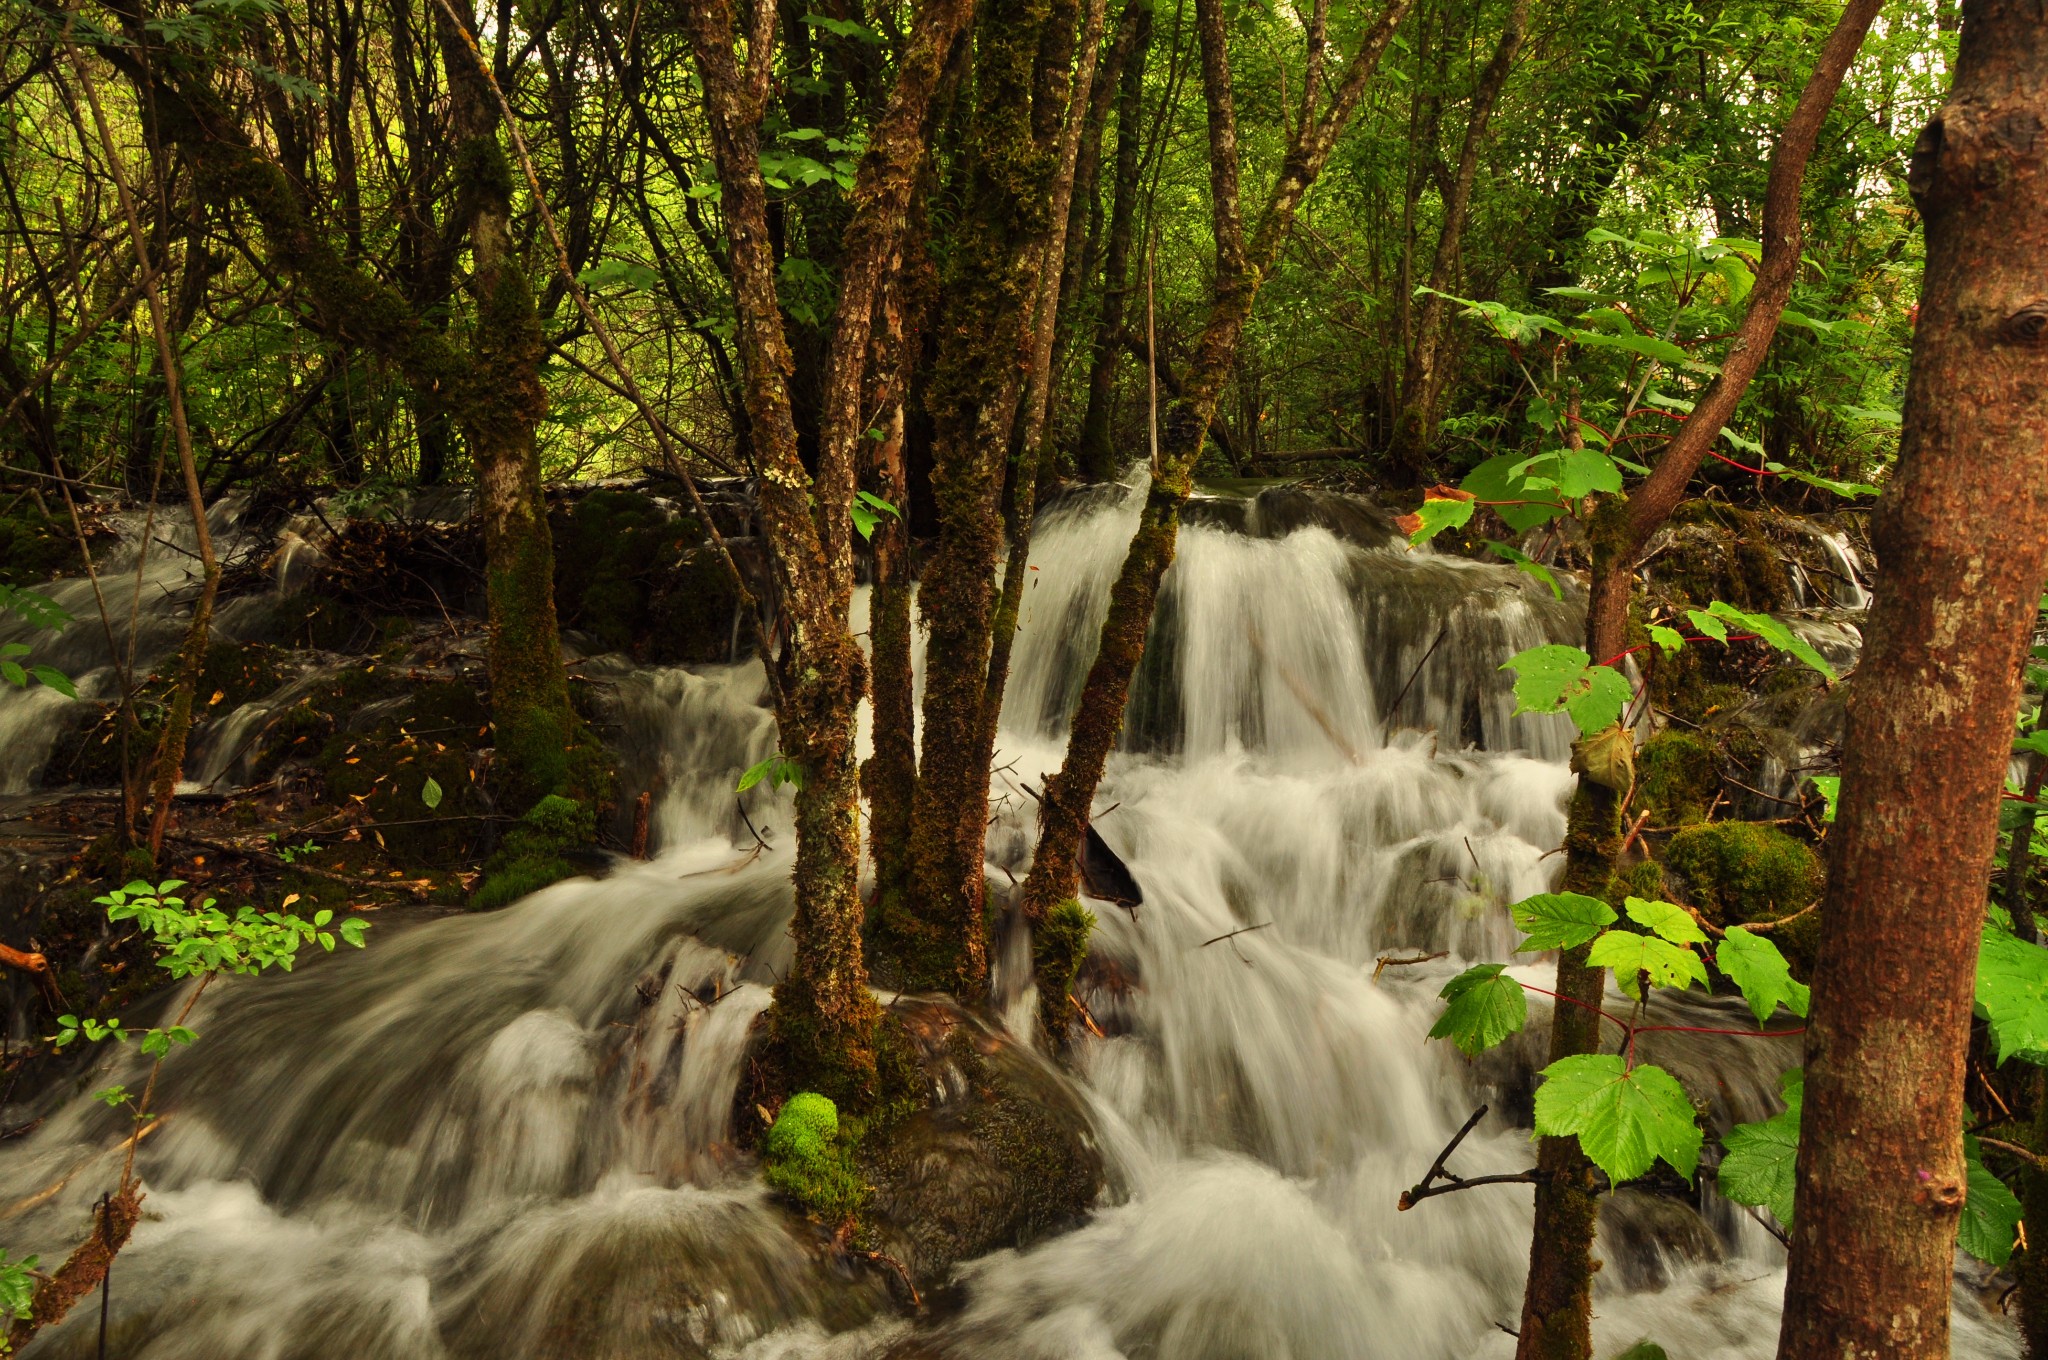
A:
{"x":1096,"y":452}
{"x":1557,"y":1302}
{"x":1421,"y":382}
{"x":534,"y":726}
{"x":1963,"y":532}
{"x":1021,"y":82}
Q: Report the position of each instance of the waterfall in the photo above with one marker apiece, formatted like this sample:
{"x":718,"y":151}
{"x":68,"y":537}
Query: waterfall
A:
{"x":507,"y":1135}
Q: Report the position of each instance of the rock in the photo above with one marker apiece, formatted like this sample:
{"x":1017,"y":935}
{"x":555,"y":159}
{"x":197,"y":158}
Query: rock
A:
{"x":1645,"y":1234}
{"x":1002,"y":1155}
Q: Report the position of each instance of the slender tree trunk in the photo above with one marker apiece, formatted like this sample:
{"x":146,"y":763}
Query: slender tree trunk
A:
{"x":1421,"y":382}
{"x":1557,"y":1302}
{"x":889,"y":779}
{"x":534,"y":726}
{"x":1963,"y":532}
{"x":1240,"y":265}
{"x":1096,"y":452}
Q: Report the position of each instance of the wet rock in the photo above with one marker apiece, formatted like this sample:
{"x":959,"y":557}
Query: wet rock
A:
{"x":1643,"y":1235}
{"x":1001,"y":1155}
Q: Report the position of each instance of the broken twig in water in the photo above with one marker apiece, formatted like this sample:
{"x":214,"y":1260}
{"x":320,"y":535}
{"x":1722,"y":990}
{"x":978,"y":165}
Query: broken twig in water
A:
{"x":1386,"y":961}
{"x":1233,"y":934}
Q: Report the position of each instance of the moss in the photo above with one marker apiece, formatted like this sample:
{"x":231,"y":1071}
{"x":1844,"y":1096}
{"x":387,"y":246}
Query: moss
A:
{"x":34,"y":548}
{"x":535,"y":853}
{"x":808,"y":1157}
{"x":636,"y":578}
{"x":239,"y":672}
{"x":1738,"y":872}
{"x":1058,"y":946}
{"x":1677,"y":775}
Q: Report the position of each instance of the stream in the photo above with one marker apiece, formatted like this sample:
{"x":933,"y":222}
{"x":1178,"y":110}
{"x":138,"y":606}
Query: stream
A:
{"x":476,"y":1138}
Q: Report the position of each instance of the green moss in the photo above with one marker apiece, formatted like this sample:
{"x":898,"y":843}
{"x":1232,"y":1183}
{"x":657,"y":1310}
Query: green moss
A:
{"x":34,"y":548}
{"x":1677,"y":776}
{"x":1738,"y":872}
{"x":534,"y":853}
{"x":806,"y":1157}
{"x":1058,"y":946}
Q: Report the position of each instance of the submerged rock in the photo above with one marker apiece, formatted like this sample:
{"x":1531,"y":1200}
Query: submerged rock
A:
{"x":1001,"y":1155}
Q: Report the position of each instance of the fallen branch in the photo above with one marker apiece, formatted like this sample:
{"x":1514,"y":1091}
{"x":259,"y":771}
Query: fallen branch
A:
{"x":48,"y":1193}
{"x":84,"y":1269}
{"x":1386,"y":961}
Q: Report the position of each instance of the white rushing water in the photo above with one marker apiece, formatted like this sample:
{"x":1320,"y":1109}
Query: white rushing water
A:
{"x":506,"y":1135}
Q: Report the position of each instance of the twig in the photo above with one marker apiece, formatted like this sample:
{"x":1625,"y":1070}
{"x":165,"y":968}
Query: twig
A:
{"x":1386,"y":961}
{"x":1233,"y":934}
{"x":1772,"y":1228}
{"x":1441,"y":1182}
{"x":2027,"y":1155}
{"x":1395,"y":706}
{"x":1764,"y":927}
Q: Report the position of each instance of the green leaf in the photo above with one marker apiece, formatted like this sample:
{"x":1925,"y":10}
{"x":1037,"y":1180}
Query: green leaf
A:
{"x":777,"y":769}
{"x":1485,"y":1007}
{"x":1435,"y":515}
{"x":2012,"y":992}
{"x":1830,"y":789}
{"x":1989,"y":1228}
{"x":1644,"y":1350}
{"x":13,"y":674}
{"x":1758,"y":1162}
{"x":1771,"y":631}
{"x":430,"y":793}
{"x":1495,"y":485}
{"x":1631,"y":956}
{"x":1757,"y":966}
{"x":1581,"y":472}
{"x":1649,"y":346}
{"x":1560,"y":920}
{"x":55,"y":679}
{"x":1526,"y":565}
{"x":1667,"y":919}
{"x":1668,"y":640}
{"x":1556,"y":677}
{"x":1624,"y":1120}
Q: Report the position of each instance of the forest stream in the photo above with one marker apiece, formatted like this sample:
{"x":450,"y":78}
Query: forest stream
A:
{"x":510,"y":1134}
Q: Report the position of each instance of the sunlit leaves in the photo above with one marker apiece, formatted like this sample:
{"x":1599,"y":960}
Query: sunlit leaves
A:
{"x":868,"y":511}
{"x":1667,"y":920}
{"x":1635,"y":957}
{"x":1714,"y":619}
{"x":777,"y":769}
{"x":1758,"y":968}
{"x":1442,"y":508}
{"x":1625,"y":1120}
{"x":1484,"y":1007}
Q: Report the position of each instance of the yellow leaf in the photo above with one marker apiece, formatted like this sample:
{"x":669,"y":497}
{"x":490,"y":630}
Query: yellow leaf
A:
{"x":289,"y":898}
{"x":218,"y":695}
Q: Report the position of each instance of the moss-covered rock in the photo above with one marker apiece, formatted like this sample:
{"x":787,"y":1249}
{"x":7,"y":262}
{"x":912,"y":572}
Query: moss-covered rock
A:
{"x":1001,"y":1154}
{"x":1677,"y":776}
{"x":1740,"y":872}
{"x":34,"y":548}
{"x":538,"y":851}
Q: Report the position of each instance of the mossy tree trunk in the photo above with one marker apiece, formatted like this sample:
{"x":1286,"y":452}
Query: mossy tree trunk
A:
{"x":1020,"y":81}
{"x":1240,"y":267}
{"x":1096,"y":453}
{"x":824,"y":1015}
{"x":534,"y":724}
{"x":1963,"y":533}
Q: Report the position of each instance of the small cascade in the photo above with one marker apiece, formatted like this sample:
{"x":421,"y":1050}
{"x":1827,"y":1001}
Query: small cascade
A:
{"x":508,"y":1135}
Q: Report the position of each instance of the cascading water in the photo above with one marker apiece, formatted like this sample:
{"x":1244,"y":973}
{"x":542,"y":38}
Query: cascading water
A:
{"x":506,"y":1135}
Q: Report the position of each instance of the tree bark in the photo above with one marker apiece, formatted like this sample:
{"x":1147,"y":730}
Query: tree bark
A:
{"x":1022,"y":81}
{"x":1963,"y":532}
{"x":824,"y":1015}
